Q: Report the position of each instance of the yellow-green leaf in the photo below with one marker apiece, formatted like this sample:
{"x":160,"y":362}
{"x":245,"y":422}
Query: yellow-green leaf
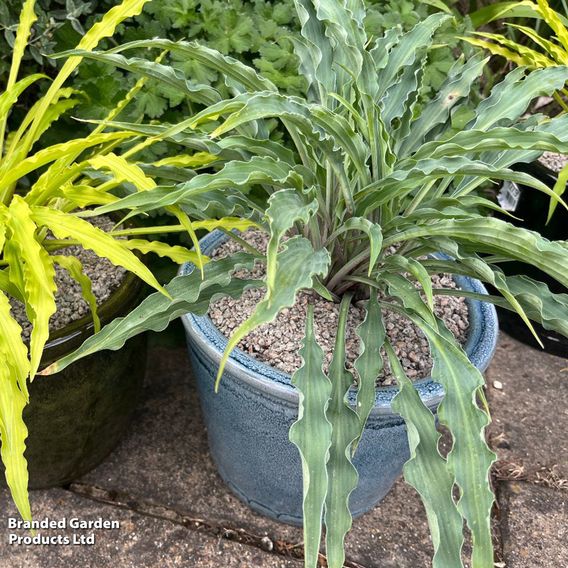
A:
{"x":188,"y":161}
{"x":13,"y":431}
{"x":38,"y":275}
{"x":68,"y":226}
{"x":177,"y":253}
{"x":75,"y":268}
{"x":123,"y":170}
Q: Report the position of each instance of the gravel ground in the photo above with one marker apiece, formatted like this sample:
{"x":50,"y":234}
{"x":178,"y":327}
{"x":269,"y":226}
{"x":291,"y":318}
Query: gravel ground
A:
{"x":105,"y":278}
{"x":553,"y":161}
{"x":278,"y":343}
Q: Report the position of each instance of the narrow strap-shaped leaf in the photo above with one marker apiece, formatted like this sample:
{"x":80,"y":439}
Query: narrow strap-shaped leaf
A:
{"x":189,"y":293}
{"x":75,"y":268}
{"x":67,"y":226}
{"x":369,"y":363}
{"x":10,"y":96}
{"x":38,"y":274}
{"x":176,"y":253}
{"x":123,"y":170}
{"x":470,"y":458}
{"x":373,"y":232}
{"x":13,"y":432}
{"x":414,"y":267}
{"x":427,"y":471}
{"x":257,"y":170}
{"x":423,"y":171}
{"x":100,"y":30}
{"x":404,"y":52}
{"x":27,"y":19}
{"x":495,"y":236}
{"x":456,"y":87}
{"x":401,"y":288}
{"x":173,"y":78}
{"x":311,"y":434}
{"x":287,"y":271}
{"x":11,"y":172}
{"x":226,"y":66}
{"x":467,"y":142}
{"x":342,"y":474}
{"x":510,"y":98}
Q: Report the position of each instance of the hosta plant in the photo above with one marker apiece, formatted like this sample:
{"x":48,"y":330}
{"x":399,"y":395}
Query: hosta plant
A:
{"x":367,"y":186}
{"x":41,"y":191}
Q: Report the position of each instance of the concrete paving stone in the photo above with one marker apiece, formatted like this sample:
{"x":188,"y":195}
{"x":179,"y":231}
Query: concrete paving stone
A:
{"x":534,"y":526}
{"x":164,"y":459}
{"x":528,"y":396}
{"x":139,"y":541}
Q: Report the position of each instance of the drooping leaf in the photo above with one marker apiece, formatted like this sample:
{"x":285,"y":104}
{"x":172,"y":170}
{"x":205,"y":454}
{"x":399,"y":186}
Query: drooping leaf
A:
{"x":470,"y":459}
{"x":427,"y":471}
{"x":311,"y":434}
{"x":38,"y":275}
{"x":13,"y":398}
{"x":369,"y":363}
{"x":287,"y":271}
{"x":187,"y":293}
{"x":342,"y":474}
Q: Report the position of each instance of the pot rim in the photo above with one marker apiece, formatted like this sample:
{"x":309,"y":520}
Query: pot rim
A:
{"x":480,"y":347}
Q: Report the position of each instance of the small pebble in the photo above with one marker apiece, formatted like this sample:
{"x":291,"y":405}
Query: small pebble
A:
{"x":554,"y":161}
{"x":498,"y":385}
{"x":278,"y":343}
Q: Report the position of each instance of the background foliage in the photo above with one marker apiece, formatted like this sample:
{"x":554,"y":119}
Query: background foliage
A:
{"x":256,"y":32}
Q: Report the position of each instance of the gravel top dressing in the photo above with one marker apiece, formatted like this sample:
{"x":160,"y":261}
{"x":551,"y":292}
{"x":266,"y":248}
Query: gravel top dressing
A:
{"x":277,"y":343}
{"x":105,"y":278}
{"x":553,"y":161}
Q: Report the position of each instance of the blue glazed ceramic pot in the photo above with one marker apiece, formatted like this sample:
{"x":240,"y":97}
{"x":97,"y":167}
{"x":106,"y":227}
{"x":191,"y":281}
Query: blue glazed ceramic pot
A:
{"x":249,"y":419}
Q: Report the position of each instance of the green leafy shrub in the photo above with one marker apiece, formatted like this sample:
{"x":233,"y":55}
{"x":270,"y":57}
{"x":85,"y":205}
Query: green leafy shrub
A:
{"x":363,"y":169}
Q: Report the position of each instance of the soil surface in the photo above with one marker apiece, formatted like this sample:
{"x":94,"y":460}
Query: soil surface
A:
{"x":553,"y":161}
{"x":277,"y":343}
{"x":105,"y":279}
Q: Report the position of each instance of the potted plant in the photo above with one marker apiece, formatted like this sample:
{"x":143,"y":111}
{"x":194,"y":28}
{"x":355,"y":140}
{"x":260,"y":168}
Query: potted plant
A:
{"x":359,"y":199}
{"x":74,"y":419}
{"x":533,"y":211}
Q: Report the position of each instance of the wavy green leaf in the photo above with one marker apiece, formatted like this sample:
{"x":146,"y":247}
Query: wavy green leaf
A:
{"x":427,"y":471}
{"x":342,"y":474}
{"x":470,"y":459}
{"x":369,"y":363}
{"x":288,"y":270}
{"x":188,"y":293}
{"x":311,"y":434}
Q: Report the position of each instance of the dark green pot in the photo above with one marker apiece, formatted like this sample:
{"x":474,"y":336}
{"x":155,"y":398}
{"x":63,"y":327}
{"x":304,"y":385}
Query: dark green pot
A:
{"x":76,"y":417}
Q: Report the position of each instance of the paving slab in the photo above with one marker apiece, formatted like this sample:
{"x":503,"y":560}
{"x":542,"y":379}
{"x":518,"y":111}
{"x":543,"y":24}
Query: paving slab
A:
{"x":165,"y":459}
{"x":534,"y":526}
{"x":139,"y":540}
{"x":528,"y":396}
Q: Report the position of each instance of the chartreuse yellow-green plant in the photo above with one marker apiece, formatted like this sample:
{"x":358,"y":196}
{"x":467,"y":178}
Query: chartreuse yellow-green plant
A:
{"x":549,"y":52}
{"x":41,"y":191}
{"x":367,"y":183}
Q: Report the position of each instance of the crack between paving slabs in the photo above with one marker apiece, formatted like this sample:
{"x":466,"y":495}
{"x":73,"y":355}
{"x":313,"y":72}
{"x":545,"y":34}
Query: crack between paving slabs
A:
{"x":125,"y":501}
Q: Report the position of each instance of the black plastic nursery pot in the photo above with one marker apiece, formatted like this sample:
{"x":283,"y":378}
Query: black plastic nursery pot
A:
{"x":76,"y":417}
{"x":531,"y":206}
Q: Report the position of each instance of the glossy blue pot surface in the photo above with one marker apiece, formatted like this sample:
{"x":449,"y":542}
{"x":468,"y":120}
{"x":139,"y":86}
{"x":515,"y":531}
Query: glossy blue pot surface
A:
{"x":249,"y":418}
